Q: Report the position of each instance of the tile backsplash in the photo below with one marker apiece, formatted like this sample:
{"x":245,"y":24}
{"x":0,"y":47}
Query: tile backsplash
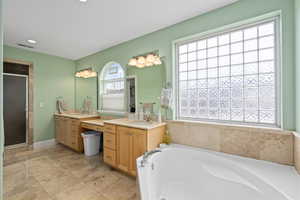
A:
{"x":260,"y":143}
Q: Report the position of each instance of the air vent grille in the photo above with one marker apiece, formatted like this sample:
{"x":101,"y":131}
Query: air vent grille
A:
{"x":25,"y":45}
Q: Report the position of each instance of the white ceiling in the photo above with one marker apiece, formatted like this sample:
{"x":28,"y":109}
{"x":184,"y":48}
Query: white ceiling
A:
{"x":71,"y":29}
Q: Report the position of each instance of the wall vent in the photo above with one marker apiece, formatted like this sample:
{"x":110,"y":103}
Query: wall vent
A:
{"x":25,"y":45}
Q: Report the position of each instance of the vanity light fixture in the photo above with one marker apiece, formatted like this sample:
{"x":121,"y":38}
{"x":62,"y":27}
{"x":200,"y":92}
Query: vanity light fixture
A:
{"x":86,"y":73}
{"x":146,"y":60}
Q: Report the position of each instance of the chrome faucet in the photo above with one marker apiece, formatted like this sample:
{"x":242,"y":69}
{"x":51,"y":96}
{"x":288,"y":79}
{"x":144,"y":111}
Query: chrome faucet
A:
{"x":146,"y":156}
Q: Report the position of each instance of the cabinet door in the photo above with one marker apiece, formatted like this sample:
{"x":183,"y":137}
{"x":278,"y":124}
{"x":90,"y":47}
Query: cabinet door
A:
{"x":124,"y":148}
{"x":59,"y":129}
{"x":66,"y":132}
{"x":73,"y":137}
{"x":138,"y":148}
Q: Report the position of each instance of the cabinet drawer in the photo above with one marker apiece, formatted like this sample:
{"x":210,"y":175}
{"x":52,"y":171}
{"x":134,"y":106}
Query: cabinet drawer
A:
{"x":74,"y":128}
{"x":75,"y":122}
{"x":73,"y":141}
{"x":109,"y":157}
{"x":89,"y":126}
{"x":110,"y":128}
{"x":100,"y":128}
{"x":109,"y":140}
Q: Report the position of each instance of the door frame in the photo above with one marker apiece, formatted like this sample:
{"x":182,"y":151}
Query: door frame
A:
{"x":30,"y":101}
{"x":135,"y":92}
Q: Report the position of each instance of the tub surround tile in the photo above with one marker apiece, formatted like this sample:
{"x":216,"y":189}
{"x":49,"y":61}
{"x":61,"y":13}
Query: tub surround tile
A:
{"x":297,"y":151}
{"x":178,"y":132}
{"x":209,"y":137}
{"x":268,"y":144}
{"x":239,"y":142}
{"x":277,"y":147}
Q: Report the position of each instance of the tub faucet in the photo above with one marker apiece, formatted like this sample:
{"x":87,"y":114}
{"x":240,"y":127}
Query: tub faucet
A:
{"x":146,"y":156}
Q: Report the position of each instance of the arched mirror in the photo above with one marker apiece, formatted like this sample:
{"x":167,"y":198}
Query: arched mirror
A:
{"x":112,"y":88}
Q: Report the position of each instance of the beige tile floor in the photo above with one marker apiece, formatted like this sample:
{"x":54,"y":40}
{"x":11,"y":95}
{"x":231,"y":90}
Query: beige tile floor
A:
{"x":58,"y":173}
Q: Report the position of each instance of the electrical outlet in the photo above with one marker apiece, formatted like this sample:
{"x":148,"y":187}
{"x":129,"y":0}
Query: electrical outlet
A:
{"x":41,"y":104}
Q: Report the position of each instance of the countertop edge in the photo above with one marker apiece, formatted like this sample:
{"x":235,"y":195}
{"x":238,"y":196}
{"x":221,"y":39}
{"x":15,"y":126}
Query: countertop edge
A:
{"x":75,"y":117}
{"x":134,"y":126}
{"x":92,"y":123}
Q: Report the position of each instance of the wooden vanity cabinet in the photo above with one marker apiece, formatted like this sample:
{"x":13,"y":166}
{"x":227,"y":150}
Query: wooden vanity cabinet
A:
{"x":132,"y":143}
{"x":129,"y":144}
{"x":109,"y":144}
{"x":68,"y":132}
{"x":59,"y":130}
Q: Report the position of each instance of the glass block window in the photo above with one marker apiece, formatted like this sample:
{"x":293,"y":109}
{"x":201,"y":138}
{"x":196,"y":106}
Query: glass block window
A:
{"x":231,"y":76}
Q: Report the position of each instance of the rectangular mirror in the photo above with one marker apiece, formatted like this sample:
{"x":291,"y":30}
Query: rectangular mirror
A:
{"x":141,"y":86}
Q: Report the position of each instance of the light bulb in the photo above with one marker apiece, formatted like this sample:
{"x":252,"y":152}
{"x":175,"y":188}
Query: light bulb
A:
{"x":150,"y":58}
{"x":141,"y":60}
{"x":93,"y":74}
{"x":140,"y":65}
{"x":157,"y":61}
{"x":86,"y":73}
{"x":132,"y":62}
{"x":148,"y":64}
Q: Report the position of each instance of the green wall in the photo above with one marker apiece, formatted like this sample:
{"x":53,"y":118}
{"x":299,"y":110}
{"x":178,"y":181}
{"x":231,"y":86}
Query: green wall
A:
{"x":297,"y":56}
{"x":151,"y":80}
{"x":53,"y":76}
{"x":1,"y":104}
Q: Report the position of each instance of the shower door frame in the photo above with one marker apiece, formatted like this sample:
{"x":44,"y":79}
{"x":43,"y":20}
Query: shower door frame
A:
{"x":26,"y":108}
{"x":30,"y":103}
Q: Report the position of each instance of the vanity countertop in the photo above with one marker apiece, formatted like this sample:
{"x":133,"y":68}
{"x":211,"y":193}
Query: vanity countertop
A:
{"x":97,"y":122}
{"x":76,"y":115}
{"x":135,"y":123}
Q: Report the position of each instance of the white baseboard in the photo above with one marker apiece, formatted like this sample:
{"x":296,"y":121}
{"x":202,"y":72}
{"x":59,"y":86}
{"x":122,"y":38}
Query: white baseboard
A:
{"x":44,"y":144}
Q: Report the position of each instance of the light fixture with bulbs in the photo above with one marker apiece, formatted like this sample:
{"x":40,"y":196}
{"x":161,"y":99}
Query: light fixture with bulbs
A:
{"x":32,"y":41}
{"x":86,"y":73}
{"x":83,"y":1}
{"x":146,"y":60}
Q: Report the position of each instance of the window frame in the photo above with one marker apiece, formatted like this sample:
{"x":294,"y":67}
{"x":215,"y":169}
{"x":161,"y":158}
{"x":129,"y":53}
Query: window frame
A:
{"x":272,"y":17}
